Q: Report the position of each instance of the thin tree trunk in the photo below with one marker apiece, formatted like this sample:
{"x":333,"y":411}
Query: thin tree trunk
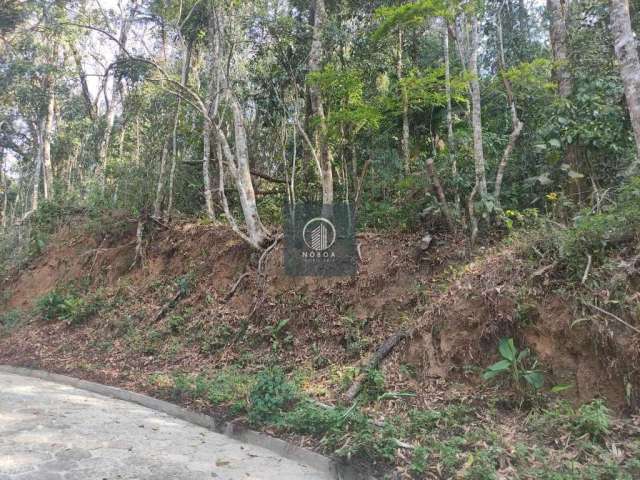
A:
{"x":558,"y":39}
{"x":86,"y":94}
{"x":137,"y":157}
{"x":476,"y":119}
{"x":116,"y":91}
{"x":206,"y":176}
{"x":404,"y":142}
{"x":47,"y":135}
{"x":442,"y":199}
{"x":315,"y":65}
{"x":35,"y":195}
{"x":516,"y":124}
{"x":157,"y":205}
{"x":559,"y":46}
{"x":627,"y":53}
{"x":5,"y":187}
{"x":451,"y":142}
{"x":238,"y":159}
{"x":243,"y":180}
{"x":174,"y":143}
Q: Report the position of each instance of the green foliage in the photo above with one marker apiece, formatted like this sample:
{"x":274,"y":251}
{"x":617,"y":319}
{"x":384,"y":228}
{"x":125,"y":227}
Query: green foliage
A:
{"x":278,"y":336}
{"x":67,"y":306}
{"x":410,"y":14}
{"x":50,"y":306}
{"x":176,"y":323}
{"x":592,"y":419}
{"x":513,"y":363}
{"x":373,"y":386}
{"x":10,"y":319}
{"x":419,"y":461}
{"x":271,"y":394}
{"x":598,"y":233}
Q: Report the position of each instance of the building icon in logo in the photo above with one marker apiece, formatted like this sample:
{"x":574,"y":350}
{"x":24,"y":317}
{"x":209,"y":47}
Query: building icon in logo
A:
{"x":319,"y":234}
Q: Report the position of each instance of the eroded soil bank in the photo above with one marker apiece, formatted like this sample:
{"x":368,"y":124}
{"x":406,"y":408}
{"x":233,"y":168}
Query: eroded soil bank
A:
{"x":197,"y":307}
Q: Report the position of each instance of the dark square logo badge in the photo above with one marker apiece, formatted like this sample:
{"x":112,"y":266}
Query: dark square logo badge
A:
{"x":319,"y":240}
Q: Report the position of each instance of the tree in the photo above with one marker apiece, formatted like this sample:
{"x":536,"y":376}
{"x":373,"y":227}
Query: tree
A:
{"x":627,"y":53}
{"x":316,"y":54}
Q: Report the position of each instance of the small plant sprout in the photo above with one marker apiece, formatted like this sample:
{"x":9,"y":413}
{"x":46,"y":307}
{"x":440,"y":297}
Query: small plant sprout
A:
{"x":513,"y":363}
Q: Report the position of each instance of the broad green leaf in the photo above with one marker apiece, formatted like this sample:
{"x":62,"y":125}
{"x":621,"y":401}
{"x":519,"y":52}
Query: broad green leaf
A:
{"x":507,"y":349}
{"x":535,"y":379}
{"x":561,"y":387}
{"x":489,"y":374}
{"x":500,"y":366}
{"x":554,"y":142}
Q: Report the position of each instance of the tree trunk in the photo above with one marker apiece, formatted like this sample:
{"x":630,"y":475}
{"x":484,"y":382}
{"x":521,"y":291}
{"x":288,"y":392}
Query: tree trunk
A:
{"x":116,"y":91}
{"x":476,"y":119}
{"x":5,"y":194}
{"x":559,"y":46}
{"x":451,"y":142}
{"x":442,"y":199}
{"x":86,"y":94}
{"x":186,"y":61}
{"x":404,"y":142}
{"x":35,"y":195}
{"x":206,"y":176}
{"x":157,"y":205}
{"x":558,"y":39}
{"x":242,"y":177}
{"x":627,"y":54}
{"x":47,"y":135}
{"x":315,"y":65}
{"x":237,"y":160}
{"x":516,"y":124}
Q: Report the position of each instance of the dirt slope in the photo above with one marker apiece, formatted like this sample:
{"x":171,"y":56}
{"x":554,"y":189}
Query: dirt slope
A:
{"x":324,"y":325}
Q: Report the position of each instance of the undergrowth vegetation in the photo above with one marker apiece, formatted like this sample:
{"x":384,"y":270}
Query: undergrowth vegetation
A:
{"x":67,"y":306}
{"x":454,"y":440}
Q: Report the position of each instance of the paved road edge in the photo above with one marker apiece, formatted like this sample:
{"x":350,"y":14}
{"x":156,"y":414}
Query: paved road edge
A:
{"x":251,"y":437}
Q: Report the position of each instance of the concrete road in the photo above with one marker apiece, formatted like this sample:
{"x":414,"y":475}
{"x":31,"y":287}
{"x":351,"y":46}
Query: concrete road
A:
{"x":56,"y":432}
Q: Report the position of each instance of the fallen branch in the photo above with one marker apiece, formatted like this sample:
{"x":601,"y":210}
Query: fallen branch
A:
{"x":165,"y":308}
{"x":611,"y":315}
{"x":228,"y":296}
{"x":544,"y":269}
{"x":586,"y":270}
{"x":374,"y":360}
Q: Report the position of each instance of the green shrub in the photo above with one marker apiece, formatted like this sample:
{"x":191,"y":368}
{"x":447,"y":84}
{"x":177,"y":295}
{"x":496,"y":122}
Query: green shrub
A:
{"x":50,"y":306}
{"x":419,"y":461}
{"x":76,"y":310}
{"x":69,"y":307}
{"x":10,"y":319}
{"x":310,"y":419}
{"x":229,"y":387}
{"x":270,"y":396}
{"x":596,"y":233}
{"x":593,"y":419}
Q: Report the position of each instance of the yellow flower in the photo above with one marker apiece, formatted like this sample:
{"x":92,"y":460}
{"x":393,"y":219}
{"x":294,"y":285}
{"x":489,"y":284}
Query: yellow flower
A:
{"x":552,"y":197}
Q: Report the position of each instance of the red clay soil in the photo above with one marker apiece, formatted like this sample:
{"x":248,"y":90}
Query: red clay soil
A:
{"x":460,"y":310}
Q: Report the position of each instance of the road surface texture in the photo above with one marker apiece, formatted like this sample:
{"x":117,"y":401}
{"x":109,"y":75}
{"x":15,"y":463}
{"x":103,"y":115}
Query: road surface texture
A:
{"x":50,"y":431}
